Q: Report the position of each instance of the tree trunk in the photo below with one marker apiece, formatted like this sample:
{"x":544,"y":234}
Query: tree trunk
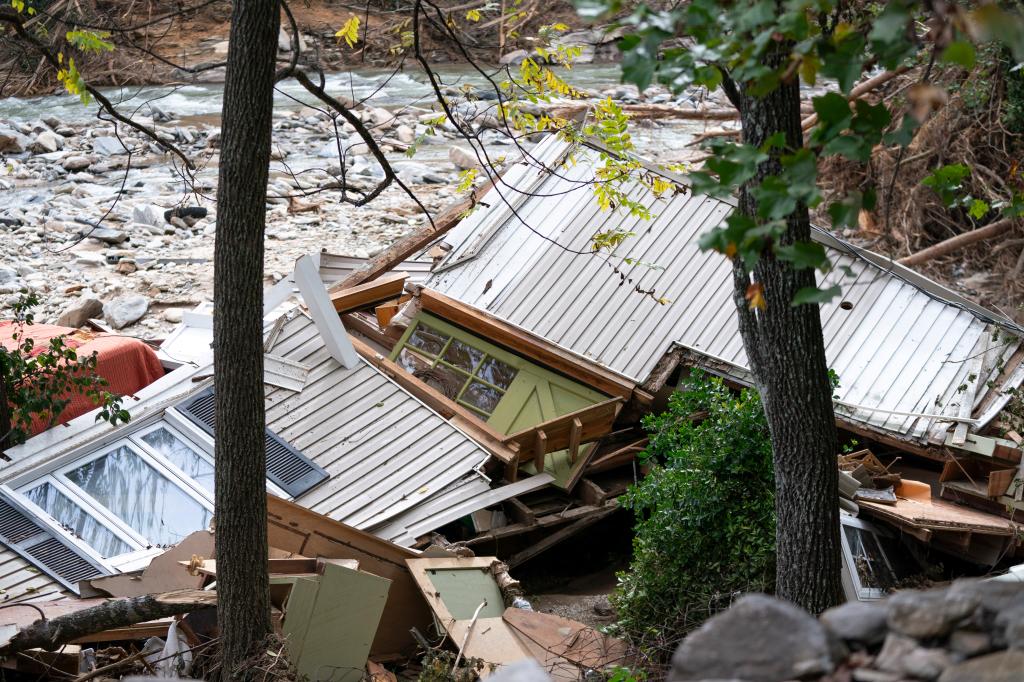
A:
{"x":243,"y":609}
{"x":51,"y":634}
{"x":787,"y":355}
{"x":5,"y":410}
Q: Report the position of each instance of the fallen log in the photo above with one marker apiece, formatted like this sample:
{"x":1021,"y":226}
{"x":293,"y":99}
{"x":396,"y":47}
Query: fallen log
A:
{"x":860,"y":90}
{"x":960,"y":241}
{"x":50,"y":635}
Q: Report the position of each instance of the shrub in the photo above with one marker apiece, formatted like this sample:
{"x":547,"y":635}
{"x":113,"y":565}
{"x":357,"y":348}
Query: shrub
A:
{"x":705,"y":528}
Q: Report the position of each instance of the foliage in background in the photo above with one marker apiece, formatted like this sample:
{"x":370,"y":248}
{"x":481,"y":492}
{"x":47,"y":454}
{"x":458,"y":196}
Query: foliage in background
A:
{"x":40,"y":383}
{"x":705,"y":513}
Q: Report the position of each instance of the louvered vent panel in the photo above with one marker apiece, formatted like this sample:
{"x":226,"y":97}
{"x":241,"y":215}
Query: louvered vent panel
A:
{"x":57,"y":556}
{"x":286,"y":466}
{"x":41,"y":545}
{"x":15,"y":527}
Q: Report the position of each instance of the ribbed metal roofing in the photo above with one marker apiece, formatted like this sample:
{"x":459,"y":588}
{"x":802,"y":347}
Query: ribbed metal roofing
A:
{"x":899,"y":342}
{"x":386,"y":452}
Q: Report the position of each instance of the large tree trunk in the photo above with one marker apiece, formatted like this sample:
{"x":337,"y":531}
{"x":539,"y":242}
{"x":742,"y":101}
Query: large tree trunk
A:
{"x":787,"y":355}
{"x":241,"y":507}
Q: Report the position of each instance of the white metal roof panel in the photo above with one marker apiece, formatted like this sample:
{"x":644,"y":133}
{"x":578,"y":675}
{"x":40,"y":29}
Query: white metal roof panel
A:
{"x":905,"y":345}
{"x":385,"y":451}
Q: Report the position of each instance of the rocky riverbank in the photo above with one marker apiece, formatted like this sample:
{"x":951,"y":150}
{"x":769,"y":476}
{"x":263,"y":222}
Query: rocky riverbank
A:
{"x":94,"y":214}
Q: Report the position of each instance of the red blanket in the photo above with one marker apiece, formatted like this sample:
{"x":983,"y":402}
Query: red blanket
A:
{"x":127,"y":364}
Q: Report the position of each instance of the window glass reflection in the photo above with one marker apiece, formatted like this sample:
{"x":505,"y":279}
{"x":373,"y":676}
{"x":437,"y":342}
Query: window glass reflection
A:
{"x":77,"y":521}
{"x":182,"y":456}
{"x":135,"y":492}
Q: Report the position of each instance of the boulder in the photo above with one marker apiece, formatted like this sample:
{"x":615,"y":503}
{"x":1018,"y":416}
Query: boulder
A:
{"x":80,"y":311}
{"x":514,"y":58}
{"x":759,"y":639}
{"x":857,"y":621}
{"x":148,"y":214}
{"x":186,"y":213}
{"x":12,"y":142}
{"x":76,"y":163}
{"x":108,"y":146}
{"x":8,"y":275}
{"x":928,"y":615}
{"x":1003,"y":666}
{"x":46,"y":142}
{"x":106,"y":235}
{"x":462,"y":158}
{"x":405,"y":134}
{"x":125,"y":310}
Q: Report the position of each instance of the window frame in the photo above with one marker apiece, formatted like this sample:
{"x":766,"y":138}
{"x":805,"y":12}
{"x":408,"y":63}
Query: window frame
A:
{"x":864,"y":593}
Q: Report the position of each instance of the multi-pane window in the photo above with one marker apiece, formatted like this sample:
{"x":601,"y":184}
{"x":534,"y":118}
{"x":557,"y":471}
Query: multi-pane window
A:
{"x":458,"y":369}
{"x":150,"y":489}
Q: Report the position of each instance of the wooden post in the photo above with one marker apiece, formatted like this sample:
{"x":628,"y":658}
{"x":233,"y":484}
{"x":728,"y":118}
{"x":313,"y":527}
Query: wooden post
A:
{"x":575,"y":432}
{"x":539,"y":448}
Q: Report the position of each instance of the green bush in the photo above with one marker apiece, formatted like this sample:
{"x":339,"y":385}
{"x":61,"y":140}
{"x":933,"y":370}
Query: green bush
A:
{"x":705,"y":528}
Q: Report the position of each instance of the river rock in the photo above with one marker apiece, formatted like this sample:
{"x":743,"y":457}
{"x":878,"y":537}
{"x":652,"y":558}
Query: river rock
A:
{"x":857,"y":621}
{"x":926,"y":615}
{"x":106,"y":234}
{"x":148,"y":214}
{"x":12,"y":142}
{"x":76,"y":163}
{"x":513,"y":58}
{"x":8,"y":275}
{"x":462,"y":159}
{"x":759,"y":639}
{"x":46,"y":142}
{"x":125,"y":310}
{"x":405,"y":134}
{"x":80,"y":311}
{"x":108,"y":146}
{"x":380,"y":118}
{"x":1003,"y":666}
{"x":186,"y":213}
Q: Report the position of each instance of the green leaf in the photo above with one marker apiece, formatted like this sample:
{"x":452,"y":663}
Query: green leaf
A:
{"x":903,"y":135}
{"x":978,"y":209}
{"x":804,"y":255}
{"x":960,"y":52}
{"x":815,"y":295}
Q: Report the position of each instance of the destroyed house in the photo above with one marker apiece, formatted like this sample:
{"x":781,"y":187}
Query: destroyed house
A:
{"x":487,"y":376}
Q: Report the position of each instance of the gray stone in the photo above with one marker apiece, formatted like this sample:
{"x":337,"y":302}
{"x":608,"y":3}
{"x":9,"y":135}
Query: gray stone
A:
{"x":857,"y":621}
{"x":602,"y":607}
{"x":106,"y":234}
{"x":76,"y":163}
{"x":760,"y":639}
{"x":148,"y":214}
{"x":514,"y":58}
{"x":896,"y":648}
{"x":405,"y":134}
{"x":379,"y":118}
{"x":1003,"y":666}
{"x":173,"y":315}
{"x":1008,"y":627}
{"x":80,"y":311}
{"x":108,"y":146}
{"x":926,"y":664}
{"x":8,"y":275}
{"x":926,"y":615}
{"x":12,"y":142}
{"x":967,"y":644}
{"x":869,"y":675}
{"x":45,"y":142}
{"x":125,"y":310}
{"x":462,"y":158}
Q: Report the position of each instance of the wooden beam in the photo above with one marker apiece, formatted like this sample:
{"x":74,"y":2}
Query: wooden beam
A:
{"x":524,"y":343}
{"x":663,"y":370}
{"x":385,"y":288}
{"x":595,"y":422}
{"x":459,"y":416}
{"x":519,"y":512}
{"x":575,"y":433}
{"x":558,"y":536}
{"x":359,"y":324}
{"x":412,"y":244}
{"x":540,"y":448}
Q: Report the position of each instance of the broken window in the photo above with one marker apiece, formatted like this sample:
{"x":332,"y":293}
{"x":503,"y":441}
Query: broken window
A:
{"x":456,"y":367}
{"x":875,"y":563}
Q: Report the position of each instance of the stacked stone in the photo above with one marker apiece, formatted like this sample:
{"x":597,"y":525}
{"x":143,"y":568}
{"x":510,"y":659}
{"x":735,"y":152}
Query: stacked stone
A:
{"x":970,"y":631}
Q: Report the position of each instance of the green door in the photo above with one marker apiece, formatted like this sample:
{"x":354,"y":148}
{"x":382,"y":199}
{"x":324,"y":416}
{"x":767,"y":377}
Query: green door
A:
{"x":510,"y":393}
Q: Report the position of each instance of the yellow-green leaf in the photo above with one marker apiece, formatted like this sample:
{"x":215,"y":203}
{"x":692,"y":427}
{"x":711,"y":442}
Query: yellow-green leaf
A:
{"x":350,"y":31}
{"x":473,"y":15}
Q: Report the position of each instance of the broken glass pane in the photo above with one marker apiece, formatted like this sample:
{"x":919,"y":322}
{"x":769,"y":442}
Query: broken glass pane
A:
{"x":870,"y":563}
{"x":497,"y":372}
{"x":181,"y":456}
{"x":412,"y":362}
{"x":428,"y":339}
{"x":463,"y":356}
{"x":140,"y":496}
{"x":77,"y":521}
{"x":481,"y":396}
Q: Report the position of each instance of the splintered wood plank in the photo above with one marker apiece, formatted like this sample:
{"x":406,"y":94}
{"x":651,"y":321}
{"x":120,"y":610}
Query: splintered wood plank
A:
{"x":384,"y":288}
{"x":571,"y":640}
{"x":540,"y":448}
{"x":575,"y":434}
{"x":594,"y":422}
